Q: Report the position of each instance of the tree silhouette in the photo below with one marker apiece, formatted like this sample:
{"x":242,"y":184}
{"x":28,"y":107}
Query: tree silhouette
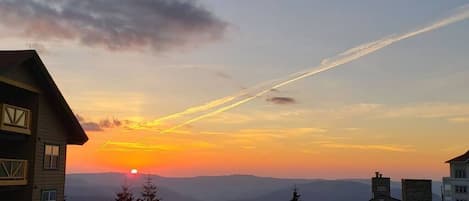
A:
{"x":125,"y":194}
{"x":149,"y":192}
{"x":296,"y":195}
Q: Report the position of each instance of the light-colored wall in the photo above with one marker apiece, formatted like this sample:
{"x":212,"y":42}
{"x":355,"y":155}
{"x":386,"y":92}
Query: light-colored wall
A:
{"x":457,"y":181}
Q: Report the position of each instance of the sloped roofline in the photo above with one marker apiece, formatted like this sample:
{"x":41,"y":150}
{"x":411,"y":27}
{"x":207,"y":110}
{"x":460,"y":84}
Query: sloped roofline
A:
{"x":76,"y":135}
{"x":461,"y":158}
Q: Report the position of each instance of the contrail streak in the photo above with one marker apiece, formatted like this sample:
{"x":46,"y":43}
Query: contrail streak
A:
{"x":192,"y":110}
{"x":343,"y":58}
{"x":203,"y":107}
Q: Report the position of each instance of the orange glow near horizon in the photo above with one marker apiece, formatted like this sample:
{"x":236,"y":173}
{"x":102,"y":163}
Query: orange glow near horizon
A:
{"x":257,"y":152}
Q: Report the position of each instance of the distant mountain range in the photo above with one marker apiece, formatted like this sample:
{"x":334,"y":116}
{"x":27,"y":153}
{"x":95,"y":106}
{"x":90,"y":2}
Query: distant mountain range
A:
{"x":103,"y":187}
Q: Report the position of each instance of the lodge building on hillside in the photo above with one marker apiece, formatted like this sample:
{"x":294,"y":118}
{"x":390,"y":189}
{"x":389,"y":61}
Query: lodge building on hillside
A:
{"x":455,"y":187}
{"x":36,"y":125}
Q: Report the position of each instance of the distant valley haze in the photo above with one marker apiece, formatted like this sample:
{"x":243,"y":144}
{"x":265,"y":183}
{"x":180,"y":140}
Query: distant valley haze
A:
{"x":103,"y":186}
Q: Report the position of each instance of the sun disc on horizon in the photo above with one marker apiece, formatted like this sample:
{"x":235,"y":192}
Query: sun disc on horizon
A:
{"x":133,"y":171}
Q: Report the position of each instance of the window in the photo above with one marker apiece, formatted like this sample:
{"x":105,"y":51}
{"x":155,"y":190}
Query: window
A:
{"x":460,"y":189}
{"x":51,"y":156}
{"x":15,"y":119}
{"x":460,"y":174}
{"x":49,"y":195}
{"x":447,"y":187}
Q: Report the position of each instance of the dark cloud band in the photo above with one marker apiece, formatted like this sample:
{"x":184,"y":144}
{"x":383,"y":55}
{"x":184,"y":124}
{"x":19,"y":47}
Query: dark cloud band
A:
{"x":114,"y":24}
{"x":281,"y":100}
{"x":98,"y":126}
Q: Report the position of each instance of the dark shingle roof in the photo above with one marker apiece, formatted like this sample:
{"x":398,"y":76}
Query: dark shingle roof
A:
{"x":76,"y":134}
{"x":461,"y":158}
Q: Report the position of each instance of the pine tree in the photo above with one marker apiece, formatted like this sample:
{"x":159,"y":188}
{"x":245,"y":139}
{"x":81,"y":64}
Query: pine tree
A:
{"x":296,"y":195}
{"x":125,"y":194}
{"x":150,"y":191}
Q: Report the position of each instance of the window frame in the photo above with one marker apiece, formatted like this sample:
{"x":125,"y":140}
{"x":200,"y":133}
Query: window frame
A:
{"x":49,"y":166}
{"x":12,"y":127}
{"x":460,"y":173}
{"x":48,"y":191}
{"x":460,"y":189}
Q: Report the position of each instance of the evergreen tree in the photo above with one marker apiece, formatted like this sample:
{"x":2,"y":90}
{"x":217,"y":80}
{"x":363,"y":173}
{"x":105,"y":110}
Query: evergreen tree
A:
{"x":125,"y":194}
{"x":149,"y":192}
{"x":296,"y":195}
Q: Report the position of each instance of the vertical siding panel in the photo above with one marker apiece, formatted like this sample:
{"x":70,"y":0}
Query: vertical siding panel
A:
{"x":50,"y":131}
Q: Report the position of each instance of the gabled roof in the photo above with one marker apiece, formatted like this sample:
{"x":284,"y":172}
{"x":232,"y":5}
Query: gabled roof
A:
{"x":76,"y":134}
{"x":461,"y":158}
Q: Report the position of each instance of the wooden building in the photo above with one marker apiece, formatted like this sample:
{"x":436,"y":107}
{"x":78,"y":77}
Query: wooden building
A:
{"x":36,"y":125}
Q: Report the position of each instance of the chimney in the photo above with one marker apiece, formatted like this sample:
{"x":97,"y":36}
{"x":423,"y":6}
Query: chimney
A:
{"x":381,"y":186}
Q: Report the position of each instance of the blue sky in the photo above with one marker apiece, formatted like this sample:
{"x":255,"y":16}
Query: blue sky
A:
{"x":278,"y":37}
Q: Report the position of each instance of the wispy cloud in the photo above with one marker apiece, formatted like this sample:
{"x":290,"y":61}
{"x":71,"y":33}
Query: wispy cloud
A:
{"x":277,"y":133}
{"x":453,"y":112}
{"x":429,"y":110}
{"x":126,"y":146}
{"x":459,"y":120}
{"x":231,"y":118}
{"x":378,"y":147}
{"x":332,"y":112}
{"x":133,"y":146}
{"x":268,"y":133}
{"x":352,"y":129}
{"x":302,"y":130}
{"x":115,"y":25}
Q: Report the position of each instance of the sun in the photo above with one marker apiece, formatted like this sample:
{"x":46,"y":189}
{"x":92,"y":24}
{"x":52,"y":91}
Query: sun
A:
{"x":133,"y":171}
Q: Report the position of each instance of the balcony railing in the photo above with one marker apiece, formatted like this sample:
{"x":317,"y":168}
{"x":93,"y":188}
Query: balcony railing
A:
{"x":13,"y":172}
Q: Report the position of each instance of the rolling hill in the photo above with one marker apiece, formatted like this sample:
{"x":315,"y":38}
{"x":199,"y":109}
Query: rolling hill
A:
{"x":103,"y":186}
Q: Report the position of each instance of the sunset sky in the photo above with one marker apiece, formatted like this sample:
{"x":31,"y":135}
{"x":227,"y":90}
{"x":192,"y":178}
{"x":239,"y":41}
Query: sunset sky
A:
{"x":403,"y":110}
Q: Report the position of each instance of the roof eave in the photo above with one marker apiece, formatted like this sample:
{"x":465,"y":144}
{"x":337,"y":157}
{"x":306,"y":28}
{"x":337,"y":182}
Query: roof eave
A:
{"x":457,"y":161}
{"x":79,"y":136}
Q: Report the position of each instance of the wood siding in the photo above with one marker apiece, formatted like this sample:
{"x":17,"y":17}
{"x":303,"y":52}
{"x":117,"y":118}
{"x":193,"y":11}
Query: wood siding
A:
{"x":50,"y":130}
